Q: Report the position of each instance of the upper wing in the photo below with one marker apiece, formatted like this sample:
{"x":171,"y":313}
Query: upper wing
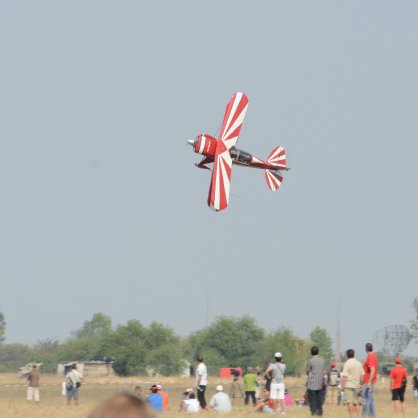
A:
{"x":220,"y":184}
{"x":234,"y":116}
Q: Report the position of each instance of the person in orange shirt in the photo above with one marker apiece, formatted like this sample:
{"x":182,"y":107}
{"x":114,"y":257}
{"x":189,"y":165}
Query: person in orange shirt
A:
{"x":398,"y":376}
{"x":164,"y":395}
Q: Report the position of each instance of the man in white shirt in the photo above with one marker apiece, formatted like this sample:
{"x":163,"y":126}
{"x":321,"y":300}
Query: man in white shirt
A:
{"x":201,"y":381}
{"x":220,"y":401}
{"x":276,"y":372}
{"x":72,"y":384}
{"x":353,"y":375}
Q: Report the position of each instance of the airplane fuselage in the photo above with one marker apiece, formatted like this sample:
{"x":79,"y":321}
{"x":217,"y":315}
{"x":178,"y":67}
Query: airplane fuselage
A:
{"x":206,"y":145}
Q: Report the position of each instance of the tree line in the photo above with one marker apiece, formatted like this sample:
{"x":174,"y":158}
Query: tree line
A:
{"x":157,"y":349}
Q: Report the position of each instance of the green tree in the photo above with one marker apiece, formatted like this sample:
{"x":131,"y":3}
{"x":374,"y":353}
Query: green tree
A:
{"x":232,"y":341}
{"x":2,"y":328}
{"x":166,"y":360}
{"x":77,"y":349}
{"x":295,"y":351}
{"x":159,"y":335}
{"x":14,"y":356}
{"x":46,"y":352}
{"x":320,"y":337}
{"x":127,"y":344}
{"x":96,"y":327}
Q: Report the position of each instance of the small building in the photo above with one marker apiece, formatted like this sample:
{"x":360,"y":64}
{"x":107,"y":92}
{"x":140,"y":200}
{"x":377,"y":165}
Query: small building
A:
{"x":95,"y":368}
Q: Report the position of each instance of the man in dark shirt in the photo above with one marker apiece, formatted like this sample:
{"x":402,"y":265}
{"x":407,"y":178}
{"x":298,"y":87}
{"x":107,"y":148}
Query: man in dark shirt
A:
{"x":315,"y":370}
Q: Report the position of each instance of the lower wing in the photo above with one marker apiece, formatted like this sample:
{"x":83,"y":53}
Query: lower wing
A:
{"x":202,"y":164}
{"x":220,"y":184}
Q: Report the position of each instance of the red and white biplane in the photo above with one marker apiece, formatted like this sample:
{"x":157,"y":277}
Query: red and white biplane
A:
{"x":223,"y":153}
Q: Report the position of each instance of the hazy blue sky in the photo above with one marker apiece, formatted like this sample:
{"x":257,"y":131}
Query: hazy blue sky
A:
{"x":102,"y":209}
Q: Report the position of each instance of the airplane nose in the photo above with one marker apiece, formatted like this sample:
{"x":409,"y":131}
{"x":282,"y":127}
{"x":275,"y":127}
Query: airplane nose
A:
{"x":191,"y":141}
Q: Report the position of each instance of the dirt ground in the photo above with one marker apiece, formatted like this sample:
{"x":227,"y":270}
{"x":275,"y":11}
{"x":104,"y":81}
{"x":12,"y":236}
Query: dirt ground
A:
{"x":13,"y":402}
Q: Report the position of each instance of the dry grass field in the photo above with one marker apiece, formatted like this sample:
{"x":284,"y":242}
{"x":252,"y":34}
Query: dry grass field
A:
{"x":52,"y":405}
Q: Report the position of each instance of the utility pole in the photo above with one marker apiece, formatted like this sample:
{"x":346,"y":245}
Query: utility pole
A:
{"x":207,"y":310}
{"x":338,"y":336}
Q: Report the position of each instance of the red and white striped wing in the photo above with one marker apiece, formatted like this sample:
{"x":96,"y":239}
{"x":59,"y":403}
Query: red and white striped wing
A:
{"x":234,"y":116}
{"x":220,"y":184}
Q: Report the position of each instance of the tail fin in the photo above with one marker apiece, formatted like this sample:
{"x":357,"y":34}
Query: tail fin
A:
{"x":273,"y":179}
{"x":277,"y":157}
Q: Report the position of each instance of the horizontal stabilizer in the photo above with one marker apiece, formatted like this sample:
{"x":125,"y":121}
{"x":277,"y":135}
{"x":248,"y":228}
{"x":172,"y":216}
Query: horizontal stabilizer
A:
{"x":277,"y":157}
{"x":273,"y":179}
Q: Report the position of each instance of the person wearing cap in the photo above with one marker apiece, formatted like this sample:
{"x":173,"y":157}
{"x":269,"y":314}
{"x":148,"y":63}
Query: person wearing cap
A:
{"x":370,"y":377}
{"x":276,"y":371}
{"x":398,"y":380}
{"x":220,"y":401}
{"x":189,"y":403}
{"x":315,"y":370}
{"x":201,"y":381}
{"x":352,"y":381}
{"x":333,"y":380}
{"x":155,"y":399}
{"x":164,"y":395}
{"x":250,"y":385}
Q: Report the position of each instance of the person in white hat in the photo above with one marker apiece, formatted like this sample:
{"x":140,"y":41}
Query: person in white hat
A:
{"x":276,"y":371}
{"x":220,"y":401}
{"x":189,"y":403}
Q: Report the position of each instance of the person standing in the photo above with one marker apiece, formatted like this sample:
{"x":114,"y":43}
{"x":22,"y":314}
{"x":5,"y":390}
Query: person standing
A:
{"x":333,"y":383}
{"x":220,"y":401}
{"x":370,"y":376}
{"x":415,"y":387}
{"x":398,"y":380}
{"x":201,"y":381}
{"x":250,"y":385}
{"x":276,"y":371}
{"x":315,"y":369}
{"x":33,"y":385}
{"x":72,"y":384}
{"x":352,"y":381}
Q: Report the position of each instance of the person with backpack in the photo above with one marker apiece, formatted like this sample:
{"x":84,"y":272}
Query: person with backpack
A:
{"x":333,"y":383}
{"x":370,"y":376}
{"x":73,"y":381}
{"x":398,"y":381}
